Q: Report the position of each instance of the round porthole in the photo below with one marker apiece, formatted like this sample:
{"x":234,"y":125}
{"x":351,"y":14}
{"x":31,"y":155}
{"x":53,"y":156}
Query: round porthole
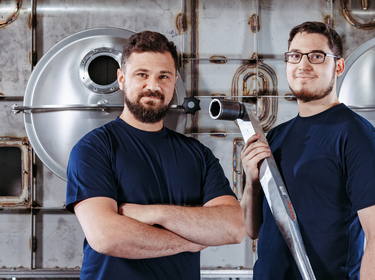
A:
{"x":98,"y":70}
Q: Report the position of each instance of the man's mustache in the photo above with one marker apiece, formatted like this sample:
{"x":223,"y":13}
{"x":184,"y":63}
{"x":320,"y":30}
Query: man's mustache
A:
{"x":151,"y":93}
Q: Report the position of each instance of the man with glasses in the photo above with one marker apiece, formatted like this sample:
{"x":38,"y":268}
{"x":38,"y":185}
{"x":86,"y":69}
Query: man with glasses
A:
{"x":326,"y":156}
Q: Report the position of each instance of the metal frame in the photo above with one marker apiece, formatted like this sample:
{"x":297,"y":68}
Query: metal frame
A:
{"x":23,"y":199}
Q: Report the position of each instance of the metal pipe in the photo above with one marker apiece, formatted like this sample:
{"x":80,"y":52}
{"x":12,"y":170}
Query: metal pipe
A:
{"x":226,"y":110}
{"x":14,"y":16}
{"x":349,"y":18}
{"x":272,"y":183}
{"x":100,"y":106}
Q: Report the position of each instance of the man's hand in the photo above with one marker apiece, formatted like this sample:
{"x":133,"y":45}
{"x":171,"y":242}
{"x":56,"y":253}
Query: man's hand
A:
{"x":252,"y":195}
{"x":116,"y":235}
{"x":252,"y":155}
{"x":143,"y":213}
{"x":220,"y":221}
{"x":148,"y":214}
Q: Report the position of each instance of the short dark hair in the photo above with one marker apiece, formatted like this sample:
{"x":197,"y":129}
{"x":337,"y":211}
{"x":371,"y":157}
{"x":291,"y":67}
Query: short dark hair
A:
{"x":148,"y":41}
{"x":334,"y":40}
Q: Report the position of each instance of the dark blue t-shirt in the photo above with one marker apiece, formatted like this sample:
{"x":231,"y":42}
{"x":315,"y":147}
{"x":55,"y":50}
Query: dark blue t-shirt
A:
{"x":327,"y":162}
{"x":135,"y":166}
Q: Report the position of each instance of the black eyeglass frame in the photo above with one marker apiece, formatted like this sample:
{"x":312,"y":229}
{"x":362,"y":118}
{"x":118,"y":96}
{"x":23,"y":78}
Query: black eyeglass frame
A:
{"x":307,"y":54}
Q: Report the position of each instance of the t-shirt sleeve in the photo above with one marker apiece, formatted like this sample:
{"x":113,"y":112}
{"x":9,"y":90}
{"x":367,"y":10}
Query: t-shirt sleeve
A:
{"x":360,"y":164}
{"x":215,"y":183}
{"x":89,"y":172}
{"x":361,"y":175}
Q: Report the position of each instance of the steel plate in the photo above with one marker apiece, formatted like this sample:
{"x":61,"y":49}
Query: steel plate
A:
{"x":56,"y":80}
{"x":356,"y":87}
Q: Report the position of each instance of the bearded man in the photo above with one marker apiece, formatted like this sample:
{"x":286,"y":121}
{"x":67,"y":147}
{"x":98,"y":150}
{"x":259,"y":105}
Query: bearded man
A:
{"x":326,"y":156}
{"x":148,"y":199}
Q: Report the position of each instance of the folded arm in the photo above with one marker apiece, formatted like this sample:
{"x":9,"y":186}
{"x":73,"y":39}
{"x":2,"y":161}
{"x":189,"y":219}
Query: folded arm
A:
{"x":116,"y":235}
{"x":366,"y":217}
{"x":220,"y":221}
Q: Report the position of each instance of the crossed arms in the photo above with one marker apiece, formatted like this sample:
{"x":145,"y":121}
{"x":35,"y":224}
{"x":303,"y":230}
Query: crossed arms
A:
{"x":129,"y":232}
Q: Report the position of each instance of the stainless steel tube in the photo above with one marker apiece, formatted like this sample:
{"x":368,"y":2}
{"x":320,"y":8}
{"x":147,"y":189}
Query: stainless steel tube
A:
{"x":224,"y":109}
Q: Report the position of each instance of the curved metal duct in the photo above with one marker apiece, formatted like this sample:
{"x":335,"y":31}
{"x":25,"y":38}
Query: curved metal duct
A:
{"x":73,"y":89}
{"x":357,"y":84}
{"x":12,"y":8}
{"x":262,"y":76}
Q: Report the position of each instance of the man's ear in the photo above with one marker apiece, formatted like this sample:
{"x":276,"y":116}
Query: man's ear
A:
{"x":120,"y":78}
{"x":340,"y":66}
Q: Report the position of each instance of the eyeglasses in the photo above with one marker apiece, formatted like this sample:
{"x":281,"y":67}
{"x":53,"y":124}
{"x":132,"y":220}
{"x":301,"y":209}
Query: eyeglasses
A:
{"x":313,"y":57}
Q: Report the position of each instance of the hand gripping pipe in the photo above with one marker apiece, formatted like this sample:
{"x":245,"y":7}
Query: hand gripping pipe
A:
{"x":272,"y":184}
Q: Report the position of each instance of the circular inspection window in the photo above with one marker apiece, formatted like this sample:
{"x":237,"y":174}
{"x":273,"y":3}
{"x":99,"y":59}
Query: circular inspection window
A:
{"x":103,"y":70}
{"x":98,"y":70}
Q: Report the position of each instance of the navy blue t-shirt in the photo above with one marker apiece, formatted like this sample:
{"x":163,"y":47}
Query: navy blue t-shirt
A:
{"x":130,"y":165}
{"x":327,"y":162}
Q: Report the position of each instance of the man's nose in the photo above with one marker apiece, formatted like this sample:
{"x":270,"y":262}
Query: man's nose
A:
{"x":304,"y":63}
{"x":152,"y":83}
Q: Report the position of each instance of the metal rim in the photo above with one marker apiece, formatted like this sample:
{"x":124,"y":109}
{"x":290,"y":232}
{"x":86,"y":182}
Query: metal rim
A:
{"x":352,"y":59}
{"x":84,"y":70}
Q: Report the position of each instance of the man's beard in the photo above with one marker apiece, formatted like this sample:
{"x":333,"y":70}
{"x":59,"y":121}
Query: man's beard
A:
{"x":150,"y":113}
{"x":306,"y":96}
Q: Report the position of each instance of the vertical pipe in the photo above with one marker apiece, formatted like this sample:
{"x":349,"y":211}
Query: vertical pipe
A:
{"x":32,"y":202}
{"x":182,"y":40}
{"x":194,"y":63}
{"x":256,"y":37}
{"x":34,"y":59}
{"x":330,"y":3}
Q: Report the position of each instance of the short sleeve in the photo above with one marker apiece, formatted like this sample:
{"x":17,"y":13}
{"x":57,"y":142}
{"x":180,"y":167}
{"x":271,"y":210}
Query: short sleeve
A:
{"x":215,"y":183}
{"x":89,"y":172}
{"x":360,"y":164}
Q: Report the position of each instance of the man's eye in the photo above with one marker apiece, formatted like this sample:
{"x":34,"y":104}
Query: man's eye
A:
{"x":294,"y":56}
{"x":143,"y":75}
{"x":163,"y":77}
{"x":317,"y":56}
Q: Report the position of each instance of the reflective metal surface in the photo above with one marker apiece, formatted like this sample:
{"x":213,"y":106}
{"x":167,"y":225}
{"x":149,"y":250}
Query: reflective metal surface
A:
{"x":57,"y":81}
{"x":356,"y":87}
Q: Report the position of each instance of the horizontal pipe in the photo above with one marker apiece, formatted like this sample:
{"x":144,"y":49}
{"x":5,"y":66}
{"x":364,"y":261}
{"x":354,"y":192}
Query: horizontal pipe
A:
{"x":226,"y":109}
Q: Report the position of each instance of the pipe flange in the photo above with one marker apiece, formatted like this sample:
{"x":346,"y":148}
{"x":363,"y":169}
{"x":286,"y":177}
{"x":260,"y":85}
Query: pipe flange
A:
{"x":85,"y":75}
